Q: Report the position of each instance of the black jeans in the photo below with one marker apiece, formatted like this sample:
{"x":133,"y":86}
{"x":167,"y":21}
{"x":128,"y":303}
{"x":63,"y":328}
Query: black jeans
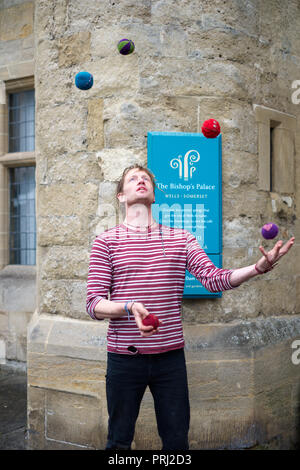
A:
{"x":126,"y":381}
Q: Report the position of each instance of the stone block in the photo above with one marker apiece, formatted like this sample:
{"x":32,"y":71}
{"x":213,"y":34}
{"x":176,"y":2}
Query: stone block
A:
{"x":95,"y":124}
{"x":283,"y":167}
{"x":73,"y":419}
{"x":74,"y":49}
{"x":79,"y":167}
{"x":213,"y":342}
{"x":150,"y":40}
{"x":37,"y":369}
{"x":116,"y":76}
{"x":63,"y":297}
{"x":237,"y":121}
{"x":4,"y":74}
{"x":21,"y":70}
{"x":54,"y":296}
{"x":274,"y":366}
{"x":55,"y":28}
{"x":113,"y":161}
{"x":102,"y":13}
{"x":282,"y":293}
{"x":3,"y":323}
{"x":273,"y":407}
{"x":193,"y":77}
{"x":70,"y":135}
{"x":236,"y":378}
{"x":107,"y":192}
{"x":47,"y":61}
{"x":67,"y":199}
{"x":2,"y":351}
{"x":18,"y":322}
{"x":170,"y":12}
{"x":238,"y":257}
{"x":87,"y":339}
{"x":17,"y":21}
{"x":18,"y":289}
{"x":36,"y":402}
{"x":108,"y":218}
{"x":200,"y":371}
{"x":240,"y":232}
{"x":38,"y":332}
{"x":248,"y":202}
{"x":238,"y":168}
{"x":228,"y":43}
{"x":282,"y":209}
{"x":127,"y":122}
{"x":21,"y":349}
{"x":238,"y":339}
{"x":202,"y":379}
{"x":225,"y":423}
{"x":67,"y":262}
{"x":61,"y":230}
{"x":11,"y":52}
{"x":60,"y":372}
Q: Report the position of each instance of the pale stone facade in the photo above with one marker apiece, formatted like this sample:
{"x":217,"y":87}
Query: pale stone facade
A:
{"x":17,"y":283}
{"x":234,"y":61}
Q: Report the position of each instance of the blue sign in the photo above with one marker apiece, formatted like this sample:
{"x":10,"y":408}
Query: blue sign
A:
{"x":188,"y":174}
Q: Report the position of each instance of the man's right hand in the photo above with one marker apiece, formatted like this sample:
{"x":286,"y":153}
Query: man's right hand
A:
{"x":140,"y":312}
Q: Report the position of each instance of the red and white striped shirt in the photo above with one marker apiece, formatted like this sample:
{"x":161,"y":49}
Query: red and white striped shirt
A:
{"x":148,"y":267}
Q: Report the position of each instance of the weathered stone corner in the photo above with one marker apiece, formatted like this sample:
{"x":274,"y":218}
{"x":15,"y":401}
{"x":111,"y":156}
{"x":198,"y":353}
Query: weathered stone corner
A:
{"x":240,"y":375}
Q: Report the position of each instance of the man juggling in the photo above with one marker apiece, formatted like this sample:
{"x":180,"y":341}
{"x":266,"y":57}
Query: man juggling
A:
{"x":140,"y":265}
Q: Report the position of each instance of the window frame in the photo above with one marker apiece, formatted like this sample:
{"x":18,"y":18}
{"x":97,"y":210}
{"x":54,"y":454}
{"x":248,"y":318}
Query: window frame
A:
{"x":270,"y":156}
{"x":10,"y":160}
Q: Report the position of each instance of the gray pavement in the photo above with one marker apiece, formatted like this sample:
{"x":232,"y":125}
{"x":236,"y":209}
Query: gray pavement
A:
{"x":13,"y":406}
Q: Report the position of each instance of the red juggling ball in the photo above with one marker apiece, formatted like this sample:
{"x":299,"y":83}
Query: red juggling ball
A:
{"x":211,"y":128}
{"x":151,"y":320}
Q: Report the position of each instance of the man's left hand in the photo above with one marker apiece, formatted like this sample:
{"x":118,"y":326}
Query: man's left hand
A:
{"x":271,"y":257}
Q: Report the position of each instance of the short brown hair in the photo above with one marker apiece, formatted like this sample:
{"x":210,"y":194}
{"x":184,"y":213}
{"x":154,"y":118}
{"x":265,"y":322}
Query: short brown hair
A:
{"x":138,"y":167}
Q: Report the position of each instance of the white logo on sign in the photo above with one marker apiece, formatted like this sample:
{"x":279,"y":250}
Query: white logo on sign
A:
{"x":191,"y":157}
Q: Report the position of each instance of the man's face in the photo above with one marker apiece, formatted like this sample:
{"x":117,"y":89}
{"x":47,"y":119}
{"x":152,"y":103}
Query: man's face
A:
{"x":137,"y":188}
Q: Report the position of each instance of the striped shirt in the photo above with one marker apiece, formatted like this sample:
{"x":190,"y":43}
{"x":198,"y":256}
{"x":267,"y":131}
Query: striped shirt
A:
{"x":148,"y":267}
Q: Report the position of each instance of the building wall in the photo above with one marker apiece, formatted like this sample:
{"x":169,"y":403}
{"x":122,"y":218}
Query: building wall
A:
{"x":193,"y":61}
{"x":217,"y":62}
{"x":17,"y":283}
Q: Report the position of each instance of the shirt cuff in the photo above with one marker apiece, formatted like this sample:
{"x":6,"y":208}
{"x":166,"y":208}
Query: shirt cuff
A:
{"x":91,"y":309}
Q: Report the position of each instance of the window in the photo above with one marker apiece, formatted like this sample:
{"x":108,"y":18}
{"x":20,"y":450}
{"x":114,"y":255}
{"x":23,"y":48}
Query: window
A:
{"x":17,"y":173}
{"x":276,"y":148}
{"x":21,"y":121}
{"x":22,"y":229}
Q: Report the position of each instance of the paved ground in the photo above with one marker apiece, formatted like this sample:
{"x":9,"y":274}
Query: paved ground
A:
{"x":13,"y":406}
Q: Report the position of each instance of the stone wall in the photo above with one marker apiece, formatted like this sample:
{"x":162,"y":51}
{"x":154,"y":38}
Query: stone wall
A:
{"x":17,"y":283}
{"x":243,"y":386}
{"x":217,"y":62}
{"x":17,"y":304}
{"x":16,"y":39}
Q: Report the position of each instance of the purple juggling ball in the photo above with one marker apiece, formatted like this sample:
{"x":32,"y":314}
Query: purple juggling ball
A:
{"x":269,"y":231}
